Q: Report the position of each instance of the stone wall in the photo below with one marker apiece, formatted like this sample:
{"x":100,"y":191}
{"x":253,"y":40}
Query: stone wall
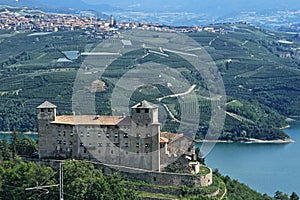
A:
{"x":152,"y":177}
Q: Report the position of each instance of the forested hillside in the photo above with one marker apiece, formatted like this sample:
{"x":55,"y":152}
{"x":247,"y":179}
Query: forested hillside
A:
{"x":260,"y":71}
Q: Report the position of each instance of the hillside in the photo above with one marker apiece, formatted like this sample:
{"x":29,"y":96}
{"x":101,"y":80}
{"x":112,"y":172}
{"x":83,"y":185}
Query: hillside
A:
{"x":261,"y":79}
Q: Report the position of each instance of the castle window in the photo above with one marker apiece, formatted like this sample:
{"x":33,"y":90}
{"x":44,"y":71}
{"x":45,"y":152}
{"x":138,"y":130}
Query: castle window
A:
{"x":71,"y":134}
{"x":138,"y":110}
{"x":126,"y":144}
{"x":147,"y":145}
{"x":64,"y":133}
{"x":71,"y":143}
{"x":84,"y":150}
{"x":117,"y":144}
{"x":88,"y":134}
{"x":81,"y":144}
{"x":154,"y":178}
{"x":58,"y":141}
{"x":137,"y":145}
{"x":65,"y":142}
{"x":146,"y":125}
{"x":99,"y":134}
{"x":107,"y":135}
{"x":146,"y":110}
{"x":42,"y":110}
{"x":58,"y":133}
{"x":116,"y":135}
{"x":125,"y":135}
{"x":49,"y":110}
{"x":137,"y":152}
{"x":99,"y":144}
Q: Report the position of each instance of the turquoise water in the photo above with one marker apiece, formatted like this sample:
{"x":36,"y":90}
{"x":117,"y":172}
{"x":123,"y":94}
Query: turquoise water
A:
{"x":264,"y":167}
{"x":9,"y":135}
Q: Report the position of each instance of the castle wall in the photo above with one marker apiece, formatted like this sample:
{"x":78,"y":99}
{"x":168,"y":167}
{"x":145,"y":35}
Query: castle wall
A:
{"x":148,"y":176}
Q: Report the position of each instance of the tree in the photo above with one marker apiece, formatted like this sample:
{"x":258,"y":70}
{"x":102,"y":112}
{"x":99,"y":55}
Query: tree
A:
{"x":280,"y":196}
{"x":83,"y":181}
{"x":15,"y":142}
{"x":17,"y":175}
{"x":294,"y":196}
{"x":5,"y":149}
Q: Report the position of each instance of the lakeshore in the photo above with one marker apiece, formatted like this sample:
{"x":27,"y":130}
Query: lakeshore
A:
{"x":251,"y":140}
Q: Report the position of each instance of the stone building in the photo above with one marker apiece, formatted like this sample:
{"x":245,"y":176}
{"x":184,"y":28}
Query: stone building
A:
{"x":131,"y":141}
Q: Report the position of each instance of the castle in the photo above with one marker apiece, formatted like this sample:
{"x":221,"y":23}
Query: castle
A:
{"x":133,"y":141}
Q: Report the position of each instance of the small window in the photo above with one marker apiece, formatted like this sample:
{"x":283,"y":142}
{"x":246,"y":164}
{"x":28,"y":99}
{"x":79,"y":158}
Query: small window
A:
{"x":42,"y":110}
{"x":71,"y":134}
{"x":138,"y":110}
{"x":116,"y":135}
{"x":147,"y":145}
{"x":65,"y":142}
{"x":84,"y":150}
{"x":99,"y":134}
{"x":154,"y":178}
{"x":64,"y":133}
{"x":88,"y":134}
{"x":49,"y":109}
{"x":126,"y":144}
{"x":99,"y":144}
{"x":137,"y":124}
{"x":146,"y":110}
{"x":137,"y":145}
{"x":117,"y":144}
{"x":137,"y":152}
{"x":146,"y":125}
{"x":81,"y":144}
{"x":107,"y":135}
{"x":71,"y":143}
{"x":125,"y":135}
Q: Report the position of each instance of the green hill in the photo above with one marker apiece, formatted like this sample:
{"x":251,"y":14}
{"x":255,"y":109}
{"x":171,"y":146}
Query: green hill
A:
{"x":261,"y":75}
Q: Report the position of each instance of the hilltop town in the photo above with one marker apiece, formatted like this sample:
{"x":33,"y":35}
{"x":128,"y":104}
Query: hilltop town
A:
{"x":23,"y":19}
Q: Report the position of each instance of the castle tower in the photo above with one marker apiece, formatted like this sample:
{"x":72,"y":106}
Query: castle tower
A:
{"x":46,"y":114}
{"x":146,"y":129}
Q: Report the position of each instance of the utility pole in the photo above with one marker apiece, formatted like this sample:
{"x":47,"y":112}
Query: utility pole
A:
{"x":61,"y":182}
{"x":61,"y":191}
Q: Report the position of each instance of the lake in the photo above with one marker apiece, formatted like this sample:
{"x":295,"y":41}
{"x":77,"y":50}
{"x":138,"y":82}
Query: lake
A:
{"x":9,"y":135}
{"x":264,"y":167}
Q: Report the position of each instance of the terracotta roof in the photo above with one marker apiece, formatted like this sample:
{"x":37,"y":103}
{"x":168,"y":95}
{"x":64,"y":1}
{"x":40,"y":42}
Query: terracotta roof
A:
{"x":47,"y":104}
{"x":88,"y":120}
{"x":171,"y":136}
{"x":145,"y":104}
{"x":163,"y":140}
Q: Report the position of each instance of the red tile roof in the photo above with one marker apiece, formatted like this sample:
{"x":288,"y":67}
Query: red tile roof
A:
{"x":88,"y":120}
